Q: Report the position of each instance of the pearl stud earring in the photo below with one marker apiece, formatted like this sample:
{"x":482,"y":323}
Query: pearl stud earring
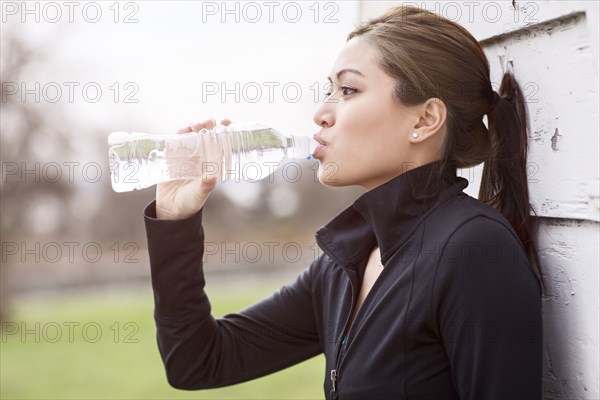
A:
{"x":415,"y":135}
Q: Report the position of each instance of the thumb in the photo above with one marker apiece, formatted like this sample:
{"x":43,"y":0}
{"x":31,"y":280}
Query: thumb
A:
{"x":202,"y":188}
{"x":208,"y":183}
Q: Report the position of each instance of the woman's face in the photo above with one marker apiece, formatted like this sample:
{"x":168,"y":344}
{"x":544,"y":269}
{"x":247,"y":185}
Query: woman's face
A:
{"x":367,"y":134}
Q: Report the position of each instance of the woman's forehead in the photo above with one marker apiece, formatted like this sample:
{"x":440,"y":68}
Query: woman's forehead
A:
{"x":356,"y":54}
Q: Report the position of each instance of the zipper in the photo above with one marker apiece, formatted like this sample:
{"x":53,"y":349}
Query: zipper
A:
{"x":333,"y":379}
{"x":334,"y":373}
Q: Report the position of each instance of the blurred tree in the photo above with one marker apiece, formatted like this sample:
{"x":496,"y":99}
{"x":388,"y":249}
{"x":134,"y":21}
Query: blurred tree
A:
{"x":21,"y":125}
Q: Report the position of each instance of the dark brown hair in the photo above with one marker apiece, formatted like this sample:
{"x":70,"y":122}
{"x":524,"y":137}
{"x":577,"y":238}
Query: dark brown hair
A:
{"x":432,"y":57}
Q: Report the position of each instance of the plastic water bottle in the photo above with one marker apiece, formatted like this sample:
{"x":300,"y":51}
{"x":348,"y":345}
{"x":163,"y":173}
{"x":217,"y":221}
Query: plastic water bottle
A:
{"x":250,"y":151}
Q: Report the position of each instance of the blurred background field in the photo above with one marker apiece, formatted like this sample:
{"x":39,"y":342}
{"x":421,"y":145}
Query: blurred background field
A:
{"x":122,"y":362}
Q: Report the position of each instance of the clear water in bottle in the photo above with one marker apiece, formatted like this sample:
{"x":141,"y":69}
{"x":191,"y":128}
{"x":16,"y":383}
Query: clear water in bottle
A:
{"x":249,"y":151}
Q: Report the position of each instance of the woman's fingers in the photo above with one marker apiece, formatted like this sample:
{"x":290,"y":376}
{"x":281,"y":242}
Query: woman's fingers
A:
{"x":206,"y":124}
{"x":210,"y":123}
{"x":197,"y":127}
{"x":187,"y":129}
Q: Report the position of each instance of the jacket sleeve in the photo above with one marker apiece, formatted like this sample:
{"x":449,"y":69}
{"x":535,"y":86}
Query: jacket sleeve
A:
{"x":201,"y":352}
{"x":490,"y":313}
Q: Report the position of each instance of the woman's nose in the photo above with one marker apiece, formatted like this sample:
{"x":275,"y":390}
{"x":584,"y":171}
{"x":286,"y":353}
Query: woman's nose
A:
{"x":324,"y":116}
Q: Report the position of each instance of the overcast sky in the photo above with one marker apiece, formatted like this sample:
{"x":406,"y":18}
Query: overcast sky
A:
{"x":183,"y":61}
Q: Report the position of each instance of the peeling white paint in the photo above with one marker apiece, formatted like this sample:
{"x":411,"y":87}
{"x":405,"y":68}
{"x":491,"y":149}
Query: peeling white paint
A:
{"x":569,"y":251}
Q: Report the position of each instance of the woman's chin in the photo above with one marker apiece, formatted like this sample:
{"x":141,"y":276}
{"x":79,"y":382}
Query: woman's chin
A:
{"x":328,"y":174}
{"x":330,"y":183}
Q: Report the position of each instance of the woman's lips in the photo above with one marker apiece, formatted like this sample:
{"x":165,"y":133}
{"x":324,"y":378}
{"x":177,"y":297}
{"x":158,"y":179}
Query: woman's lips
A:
{"x":318,"y":151}
{"x":320,"y":148}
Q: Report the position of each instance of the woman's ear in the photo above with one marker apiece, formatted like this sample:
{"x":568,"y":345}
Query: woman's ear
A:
{"x":432,"y":116}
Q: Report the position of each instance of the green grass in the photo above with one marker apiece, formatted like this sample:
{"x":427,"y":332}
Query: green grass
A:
{"x":123,"y":361}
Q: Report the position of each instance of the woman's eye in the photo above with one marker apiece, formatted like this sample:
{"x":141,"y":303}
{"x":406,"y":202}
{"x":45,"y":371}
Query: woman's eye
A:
{"x":347,"y":90}
{"x":332,"y":89}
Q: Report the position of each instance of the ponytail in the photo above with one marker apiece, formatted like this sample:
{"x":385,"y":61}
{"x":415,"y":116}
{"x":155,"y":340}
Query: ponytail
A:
{"x":504,"y":180}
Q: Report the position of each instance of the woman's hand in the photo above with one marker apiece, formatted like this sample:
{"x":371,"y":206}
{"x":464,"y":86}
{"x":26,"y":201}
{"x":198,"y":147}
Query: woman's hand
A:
{"x":182,"y":198}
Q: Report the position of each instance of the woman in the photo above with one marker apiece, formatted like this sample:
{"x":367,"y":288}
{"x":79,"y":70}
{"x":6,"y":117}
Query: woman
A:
{"x":422,"y":291}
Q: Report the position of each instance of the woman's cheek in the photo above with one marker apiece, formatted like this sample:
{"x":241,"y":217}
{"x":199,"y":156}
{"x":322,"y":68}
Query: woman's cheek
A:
{"x":343,"y":166}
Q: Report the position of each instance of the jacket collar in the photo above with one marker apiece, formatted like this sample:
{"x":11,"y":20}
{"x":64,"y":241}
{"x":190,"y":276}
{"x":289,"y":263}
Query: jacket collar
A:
{"x":388,"y":214}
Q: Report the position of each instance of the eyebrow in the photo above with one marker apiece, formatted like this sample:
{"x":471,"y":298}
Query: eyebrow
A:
{"x":343,"y":71}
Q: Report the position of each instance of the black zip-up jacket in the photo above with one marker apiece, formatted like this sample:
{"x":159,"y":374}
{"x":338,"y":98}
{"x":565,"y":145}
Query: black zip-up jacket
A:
{"x":455,"y":313}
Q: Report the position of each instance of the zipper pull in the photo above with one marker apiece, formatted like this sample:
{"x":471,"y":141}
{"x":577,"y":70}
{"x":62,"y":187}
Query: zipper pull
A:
{"x":333,"y":378}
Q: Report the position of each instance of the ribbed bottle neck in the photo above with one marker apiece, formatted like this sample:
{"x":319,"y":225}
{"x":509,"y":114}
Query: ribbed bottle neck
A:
{"x":298,"y":147}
